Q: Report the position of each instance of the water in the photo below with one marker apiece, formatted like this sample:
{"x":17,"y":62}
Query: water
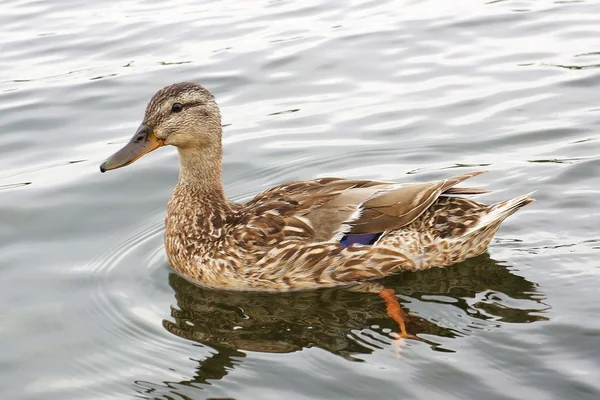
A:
{"x":404,"y":90}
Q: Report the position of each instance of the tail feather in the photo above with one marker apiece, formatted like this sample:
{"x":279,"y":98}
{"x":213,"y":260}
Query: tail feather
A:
{"x":500,"y":211}
{"x":476,"y":240}
{"x":451,"y":231}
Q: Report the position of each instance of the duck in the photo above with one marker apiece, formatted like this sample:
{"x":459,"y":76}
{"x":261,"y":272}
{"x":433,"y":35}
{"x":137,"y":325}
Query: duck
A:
{"x":300,"y":235}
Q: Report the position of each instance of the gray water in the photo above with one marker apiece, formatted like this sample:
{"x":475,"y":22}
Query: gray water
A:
{"x":399,"y":90}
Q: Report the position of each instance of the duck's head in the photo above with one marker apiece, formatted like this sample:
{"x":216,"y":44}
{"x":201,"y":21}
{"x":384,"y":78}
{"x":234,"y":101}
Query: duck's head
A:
{"x":184,"y":115}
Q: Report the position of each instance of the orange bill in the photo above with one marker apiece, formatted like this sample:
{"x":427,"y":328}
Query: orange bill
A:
{"x":143,"y":142}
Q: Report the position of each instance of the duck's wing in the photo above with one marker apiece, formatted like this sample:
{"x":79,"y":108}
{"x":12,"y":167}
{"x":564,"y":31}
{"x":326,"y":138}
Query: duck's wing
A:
{"x":327,"y":209}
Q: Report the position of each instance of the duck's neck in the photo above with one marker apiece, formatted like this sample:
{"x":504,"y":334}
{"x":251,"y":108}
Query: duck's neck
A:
{"x":201,"y":169}
{"x":199,"y":193}
{"x":196,"y":212}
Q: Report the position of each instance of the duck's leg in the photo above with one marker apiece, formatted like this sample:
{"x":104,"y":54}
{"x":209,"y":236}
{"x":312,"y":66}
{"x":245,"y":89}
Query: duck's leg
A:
{"x":393,"y":307}
{"x":395,"y":311}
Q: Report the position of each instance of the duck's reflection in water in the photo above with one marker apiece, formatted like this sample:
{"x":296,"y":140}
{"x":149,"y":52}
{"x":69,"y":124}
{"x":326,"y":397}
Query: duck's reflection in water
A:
{"x":234,"y":322}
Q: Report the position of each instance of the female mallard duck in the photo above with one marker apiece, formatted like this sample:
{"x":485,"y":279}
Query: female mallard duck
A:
{"x":300,"y":235}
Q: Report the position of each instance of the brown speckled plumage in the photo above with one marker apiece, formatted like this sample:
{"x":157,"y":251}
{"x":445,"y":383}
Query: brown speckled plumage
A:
{"x":288,"y":237}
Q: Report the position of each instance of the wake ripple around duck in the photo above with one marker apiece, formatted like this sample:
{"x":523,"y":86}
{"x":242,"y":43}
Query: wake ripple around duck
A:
{"x":126,"y":308}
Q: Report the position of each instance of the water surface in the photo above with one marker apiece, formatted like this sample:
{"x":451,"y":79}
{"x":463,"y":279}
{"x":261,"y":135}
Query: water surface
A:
{"x":402,"y":90}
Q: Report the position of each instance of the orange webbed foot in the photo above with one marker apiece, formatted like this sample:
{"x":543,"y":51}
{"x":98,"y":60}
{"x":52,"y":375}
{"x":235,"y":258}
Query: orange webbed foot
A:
{"x":395,"y":311}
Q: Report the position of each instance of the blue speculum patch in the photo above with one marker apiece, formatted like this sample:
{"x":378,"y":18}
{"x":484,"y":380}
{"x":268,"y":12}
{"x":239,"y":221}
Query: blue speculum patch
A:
{"x":363,"y":238}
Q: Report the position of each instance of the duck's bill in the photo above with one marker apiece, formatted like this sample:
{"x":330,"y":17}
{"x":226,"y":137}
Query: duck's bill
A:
{"x":143,"y":142}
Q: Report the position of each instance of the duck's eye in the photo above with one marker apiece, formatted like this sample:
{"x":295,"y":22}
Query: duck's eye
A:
{"x":177,"y":107}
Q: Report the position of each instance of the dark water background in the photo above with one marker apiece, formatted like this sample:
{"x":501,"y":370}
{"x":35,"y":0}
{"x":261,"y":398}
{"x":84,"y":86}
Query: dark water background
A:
{"x":403,"y":90}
